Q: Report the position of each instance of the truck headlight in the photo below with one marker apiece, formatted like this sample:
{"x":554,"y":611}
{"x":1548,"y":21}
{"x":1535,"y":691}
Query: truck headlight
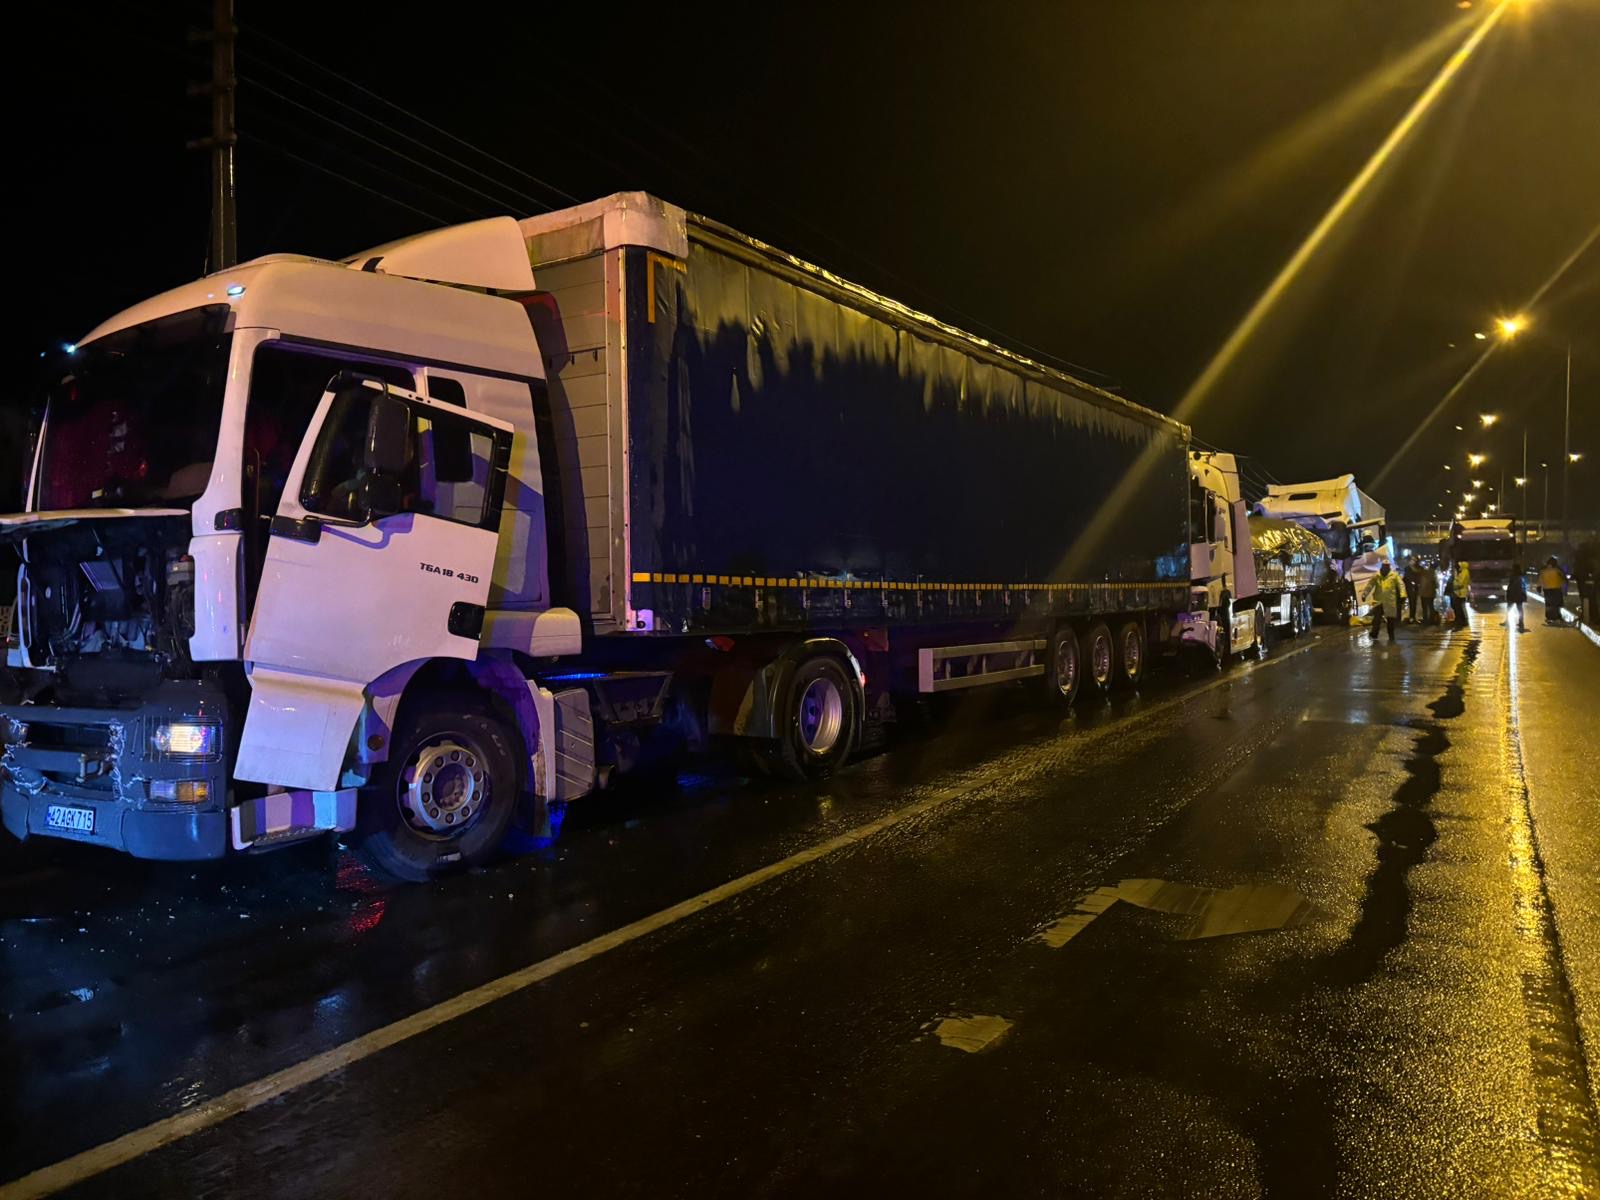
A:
{"x":192,"y":740}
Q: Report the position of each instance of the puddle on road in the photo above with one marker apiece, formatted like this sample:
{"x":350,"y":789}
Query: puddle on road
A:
{"x":972,"y":1034}
{"x":1212,"y":912}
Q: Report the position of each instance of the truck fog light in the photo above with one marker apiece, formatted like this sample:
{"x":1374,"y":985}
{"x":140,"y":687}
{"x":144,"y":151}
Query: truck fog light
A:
{"x":187,"y":739}
{"x":183,"y":791}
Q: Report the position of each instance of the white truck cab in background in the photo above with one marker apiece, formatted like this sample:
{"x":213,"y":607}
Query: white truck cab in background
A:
{"x":1352,"y":524}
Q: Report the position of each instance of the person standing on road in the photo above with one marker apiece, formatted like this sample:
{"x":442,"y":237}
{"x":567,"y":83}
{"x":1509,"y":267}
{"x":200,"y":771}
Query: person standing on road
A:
{"x":1385,"y":593}
{"x":1460,"y":592}
{"x":1428,"y":584}
{"x":1413,"y":584}
{"x":1516,"y":594}
{"x":1554,"y":582}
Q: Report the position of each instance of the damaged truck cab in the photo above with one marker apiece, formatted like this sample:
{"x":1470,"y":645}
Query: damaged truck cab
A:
{"x":299,"y":465}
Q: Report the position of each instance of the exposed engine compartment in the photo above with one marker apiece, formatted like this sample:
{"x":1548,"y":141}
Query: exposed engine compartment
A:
{"x":108,"y":605}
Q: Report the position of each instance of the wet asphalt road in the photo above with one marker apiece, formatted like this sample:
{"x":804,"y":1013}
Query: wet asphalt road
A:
{"x":967,"y":997}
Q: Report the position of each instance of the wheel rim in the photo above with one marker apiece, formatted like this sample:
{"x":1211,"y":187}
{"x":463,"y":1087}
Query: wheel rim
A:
{"x":1132,"y":653}
{"x":444,"y":789}
{"x":1066,"y":666}
{"x":1100,"y":659}
{"x":1261,"y":631}
{"x":821,"y":715}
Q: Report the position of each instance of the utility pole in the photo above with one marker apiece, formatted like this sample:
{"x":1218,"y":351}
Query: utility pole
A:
{"x":224,"y":219}
{"x":1522,"y":488}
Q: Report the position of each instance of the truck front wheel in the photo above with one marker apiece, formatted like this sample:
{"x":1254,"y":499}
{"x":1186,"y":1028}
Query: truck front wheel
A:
{"x":819,"y":716}
{"x":446,"y":795}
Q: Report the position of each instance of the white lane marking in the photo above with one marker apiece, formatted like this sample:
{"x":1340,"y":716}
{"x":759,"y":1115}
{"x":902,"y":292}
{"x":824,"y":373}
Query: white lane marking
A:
{"x":99,"y":1159}
{"x":972,"y":1034}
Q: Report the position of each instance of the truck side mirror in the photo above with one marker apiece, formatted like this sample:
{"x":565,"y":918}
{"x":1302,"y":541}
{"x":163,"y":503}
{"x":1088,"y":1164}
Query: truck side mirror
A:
{"x":386,"y":450}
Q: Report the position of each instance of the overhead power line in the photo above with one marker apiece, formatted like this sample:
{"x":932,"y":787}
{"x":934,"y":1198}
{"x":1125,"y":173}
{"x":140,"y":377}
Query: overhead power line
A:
{"x":391,"y":177}
{"x":498,"y":201}
{"x":460,"y":141}
{"x":302,"y":86}
{"x":355,"y":183}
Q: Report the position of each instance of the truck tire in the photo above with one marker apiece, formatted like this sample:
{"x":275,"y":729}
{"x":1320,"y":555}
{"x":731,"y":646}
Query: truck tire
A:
{"x":1307,"y":612}
{"x":1259,"y":650}
{"x":1064,"y":671}
{"x":446,"y":795}
{"x":1130,"y":654}
{"x":1343,"y":606}
{"x":1099,"y":654}
{"x":818,"y":716}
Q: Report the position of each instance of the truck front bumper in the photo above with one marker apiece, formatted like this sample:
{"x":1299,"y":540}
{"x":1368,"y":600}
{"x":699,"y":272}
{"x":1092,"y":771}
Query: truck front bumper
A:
{"x":141,"y":833}
{"x":93,"y":775}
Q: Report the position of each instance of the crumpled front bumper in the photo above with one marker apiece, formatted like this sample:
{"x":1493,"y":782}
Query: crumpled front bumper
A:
{"x":102,"y":760}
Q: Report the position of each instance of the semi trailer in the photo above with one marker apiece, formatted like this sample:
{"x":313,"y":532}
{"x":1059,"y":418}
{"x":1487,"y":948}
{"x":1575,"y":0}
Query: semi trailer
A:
{"x":462,"y":526}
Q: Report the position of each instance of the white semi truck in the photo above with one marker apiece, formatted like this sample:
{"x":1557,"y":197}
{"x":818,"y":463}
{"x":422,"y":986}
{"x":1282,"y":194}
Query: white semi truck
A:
{"x":1351,"y":523}
{"x":469,"y":522}
{"x":1488,"y":546}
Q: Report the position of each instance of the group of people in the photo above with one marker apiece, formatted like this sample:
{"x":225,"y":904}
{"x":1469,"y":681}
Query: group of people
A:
{"x":1417,"y":592}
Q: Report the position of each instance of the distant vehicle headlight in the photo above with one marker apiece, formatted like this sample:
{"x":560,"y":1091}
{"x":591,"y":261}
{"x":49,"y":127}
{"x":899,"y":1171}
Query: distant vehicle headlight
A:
{"x":191,"y":740}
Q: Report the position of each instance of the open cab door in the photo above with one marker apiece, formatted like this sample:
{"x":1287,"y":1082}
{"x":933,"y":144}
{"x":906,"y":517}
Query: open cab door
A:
{"x":380,"y":554}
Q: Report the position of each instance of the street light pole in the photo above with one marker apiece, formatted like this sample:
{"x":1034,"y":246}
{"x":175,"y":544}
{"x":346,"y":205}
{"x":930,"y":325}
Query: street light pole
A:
{"x":1566,"y":455}
{"x":1544,"y":513}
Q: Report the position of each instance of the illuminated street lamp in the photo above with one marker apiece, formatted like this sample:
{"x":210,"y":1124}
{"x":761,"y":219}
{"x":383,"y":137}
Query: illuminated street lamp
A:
{"x":1488,"y":419}
{"x":1574,"y":456}
{"x":1477,"y":460}
{"x":1509,"y":327}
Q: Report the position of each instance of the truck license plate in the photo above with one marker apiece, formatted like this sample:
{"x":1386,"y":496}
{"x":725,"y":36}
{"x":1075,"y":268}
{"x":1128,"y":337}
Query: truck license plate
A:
{"x":66,"y":816}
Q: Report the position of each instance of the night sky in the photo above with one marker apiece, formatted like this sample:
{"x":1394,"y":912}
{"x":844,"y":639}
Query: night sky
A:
{"x":1110,"y":184}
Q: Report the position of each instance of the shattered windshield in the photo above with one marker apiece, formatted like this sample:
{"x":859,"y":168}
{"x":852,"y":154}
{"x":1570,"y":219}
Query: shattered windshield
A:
{"x":134,"y":423}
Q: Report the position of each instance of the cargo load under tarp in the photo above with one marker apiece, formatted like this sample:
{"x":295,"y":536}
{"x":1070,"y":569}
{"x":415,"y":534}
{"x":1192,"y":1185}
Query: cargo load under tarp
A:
{"x":1288,"y":556}
{"x":740,"y":439}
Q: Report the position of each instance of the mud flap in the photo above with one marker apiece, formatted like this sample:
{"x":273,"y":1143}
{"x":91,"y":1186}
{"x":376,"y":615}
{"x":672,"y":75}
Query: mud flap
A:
{"x":297,"y":731}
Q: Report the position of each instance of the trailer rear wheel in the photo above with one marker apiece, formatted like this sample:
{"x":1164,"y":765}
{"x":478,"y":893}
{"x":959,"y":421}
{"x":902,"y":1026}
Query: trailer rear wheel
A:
{"x":1130,"y":653}
{"x":1099,"y":657}
{"x":446,"y":795}
{"x":1065,"y":666}
{"x":1262,"y":625}
{"x":1308,"y":613}
{"x":819,"y":716}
